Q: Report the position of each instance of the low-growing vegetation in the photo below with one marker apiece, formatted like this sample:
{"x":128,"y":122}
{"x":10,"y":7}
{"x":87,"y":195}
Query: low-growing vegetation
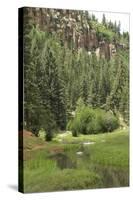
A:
{"x":57,"y":166}
{"x":92,"y":121}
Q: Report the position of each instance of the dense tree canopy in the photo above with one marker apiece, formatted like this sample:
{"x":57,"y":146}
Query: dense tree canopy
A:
{"x":56,"y":76}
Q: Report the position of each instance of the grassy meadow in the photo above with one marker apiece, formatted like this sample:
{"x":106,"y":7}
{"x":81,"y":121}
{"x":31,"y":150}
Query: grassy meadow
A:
{"x":83,"y":162}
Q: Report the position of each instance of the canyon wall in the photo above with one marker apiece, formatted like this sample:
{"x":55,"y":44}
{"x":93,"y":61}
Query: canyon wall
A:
{"x":73,"y":28}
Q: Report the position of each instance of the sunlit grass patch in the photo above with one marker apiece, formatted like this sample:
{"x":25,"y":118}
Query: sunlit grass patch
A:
{"x":104,"y":163}
{"x":67,"y":179}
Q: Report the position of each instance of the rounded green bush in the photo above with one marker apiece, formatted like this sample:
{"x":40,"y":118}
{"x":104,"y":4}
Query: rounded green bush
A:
{"x":109,"y":122}
{"x":92,"y":121}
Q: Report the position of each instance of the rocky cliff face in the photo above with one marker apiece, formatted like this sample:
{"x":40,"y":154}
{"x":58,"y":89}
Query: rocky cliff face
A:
{"x":73,"y":29}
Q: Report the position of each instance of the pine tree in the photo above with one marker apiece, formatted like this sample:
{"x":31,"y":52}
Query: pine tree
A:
{"x":56,"y":76}
{"x":115,"y":27}
{"x":110,"y":25}
{"x":118,"y":99}
{"x":30,"y":87}
{"x":84,"y":91}
{"x":53,"y":91}
{"x":104,"y":20}
{"x":104,"y":83}
{"x":119,"y":28}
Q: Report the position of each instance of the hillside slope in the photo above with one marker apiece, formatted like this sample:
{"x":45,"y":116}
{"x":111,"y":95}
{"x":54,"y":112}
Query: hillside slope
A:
{"x":78,"y":29}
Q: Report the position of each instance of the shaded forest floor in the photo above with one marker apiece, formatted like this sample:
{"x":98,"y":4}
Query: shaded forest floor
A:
{"x":83,"y":162}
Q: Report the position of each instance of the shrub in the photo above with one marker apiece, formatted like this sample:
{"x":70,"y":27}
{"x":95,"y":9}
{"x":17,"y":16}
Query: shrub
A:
{"x":74,"y":133}
{"x":92,"y":121}
{"x":96,"y":124}
{"x":75,"y":126}
{"x":82,"y":119}
{"x":109,"y":122}
{"x":94,"y":127}
{"x":87,"y":116}
{"x":72,"y":126}
{"x":69,"y":124}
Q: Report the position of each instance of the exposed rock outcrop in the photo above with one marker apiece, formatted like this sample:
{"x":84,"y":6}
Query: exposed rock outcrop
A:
{"x":73,"y":29}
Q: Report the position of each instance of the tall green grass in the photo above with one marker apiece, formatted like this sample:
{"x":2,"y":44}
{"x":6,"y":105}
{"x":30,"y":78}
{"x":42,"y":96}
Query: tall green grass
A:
{"x":103,"y":164}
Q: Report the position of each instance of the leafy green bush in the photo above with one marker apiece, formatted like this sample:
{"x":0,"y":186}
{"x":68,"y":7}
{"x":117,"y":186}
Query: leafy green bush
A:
{"x":71,"y":126}
{"x":102,"y":31}
{"x":109,"y":122}
{"x":92,"y":121}
{"x":82,"y":119}
{"x":87,"y":116}
{"x":75,"y":126}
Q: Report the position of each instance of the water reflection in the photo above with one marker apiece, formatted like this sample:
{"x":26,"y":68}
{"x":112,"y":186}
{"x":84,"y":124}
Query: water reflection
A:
{"x":63,"y":161}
